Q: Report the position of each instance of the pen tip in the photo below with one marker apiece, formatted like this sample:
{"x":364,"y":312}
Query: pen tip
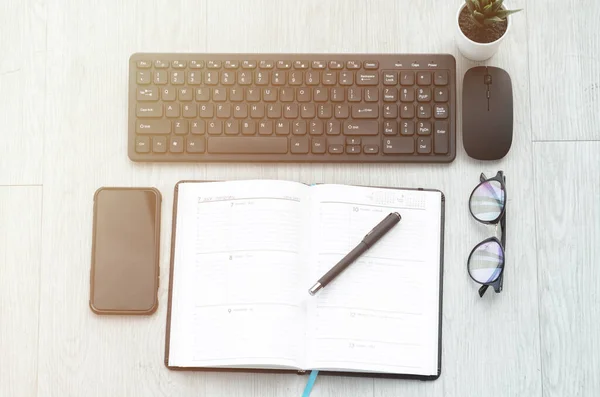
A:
{"x":315,"y":288}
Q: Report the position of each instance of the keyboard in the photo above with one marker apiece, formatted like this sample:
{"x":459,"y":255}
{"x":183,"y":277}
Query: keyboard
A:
{"x":325,"y":108}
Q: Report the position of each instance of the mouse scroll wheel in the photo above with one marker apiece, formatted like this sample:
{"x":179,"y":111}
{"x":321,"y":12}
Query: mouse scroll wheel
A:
{"x":488,"y":79}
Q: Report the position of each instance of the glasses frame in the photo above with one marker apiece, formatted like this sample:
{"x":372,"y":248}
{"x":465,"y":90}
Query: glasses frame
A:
{"x":497,"y":284}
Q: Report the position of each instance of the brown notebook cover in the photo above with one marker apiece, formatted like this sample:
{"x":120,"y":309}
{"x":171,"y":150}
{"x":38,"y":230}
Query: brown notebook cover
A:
{"x":293,"y":371}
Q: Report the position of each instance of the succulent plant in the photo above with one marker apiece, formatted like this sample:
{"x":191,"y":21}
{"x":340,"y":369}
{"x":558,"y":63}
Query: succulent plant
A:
{"x":488,"y":12}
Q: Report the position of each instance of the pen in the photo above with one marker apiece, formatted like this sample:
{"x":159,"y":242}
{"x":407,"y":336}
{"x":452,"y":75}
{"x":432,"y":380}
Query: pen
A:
{"x":367,"y":242}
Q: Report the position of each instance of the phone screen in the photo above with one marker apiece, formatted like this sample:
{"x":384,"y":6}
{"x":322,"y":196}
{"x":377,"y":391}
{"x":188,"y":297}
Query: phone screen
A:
{"x":125,"y":252}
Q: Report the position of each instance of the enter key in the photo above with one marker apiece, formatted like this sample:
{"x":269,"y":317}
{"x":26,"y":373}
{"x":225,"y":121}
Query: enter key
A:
{"x":363,"y":111}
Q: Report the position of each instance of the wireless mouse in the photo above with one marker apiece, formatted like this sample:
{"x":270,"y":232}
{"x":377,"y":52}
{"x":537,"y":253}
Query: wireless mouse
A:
{"x":487,"y":113}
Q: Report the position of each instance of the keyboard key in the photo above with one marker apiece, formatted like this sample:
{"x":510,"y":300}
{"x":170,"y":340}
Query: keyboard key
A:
{"x":274,"y":111}
{"x":168,"y":93}
{"x":299,"y":145}
{"x":390,"y":111}
{"x":353,"y":149}
{"x":424,"y":145}
{"x":215,"y":127}
{"x":424,"y":94}
{"x":196,"y":64}
{"x":441,"y":77}
{"x":361,"y":127}
{"x":159,"y":64}
{"x":390,"y":78}
{"x":265,"y":127}
{"x":227,"y":78}
{"x":346,"y":78}
{"x":194,"y":78}
{"x":353,"y":64}
{"x":303,"y":94}
{"x":177,"y":78}
{"x":189,"y":110}
{"x":219,"y":94}
{"x":257,"y":111}
{"x":398,"y":145}
{"x":318,"y":145}
{"x":211,"y":77}
{"x":319,"y":65}
{"x":152,"y":127}
{"x":180,"y":127}
{"x":144,"y":64}
{"x":407,"y":128}
{"x":424,"y":111}
{"x":333,"y":128}
{"x":335,"y":148}
{"x":232,"y":127}
{"x":213,"y":64}
{"x":325,"y":111}
{"x":407,"y":94}
{"x":252,"y":94}
{"x":248,"y":145}
{"x":142,"y":144}
{"x":316,"y":127}
{"x":240,"y":111}
{"x":160,"y":77}
{"x":149,"y":94}
{"x":338,"y":94}
{"x":390,"y":94}
{"x":186,"y":94}
{"x":407,"y":78}
{"x":354,"y":94}
{"x":296,"y":78}
{"x":424,"y":78}
{"x":282,"y":127}
{"x":269,"y":94}
{"x":178,"y":64}
{"x":371,"y":64}
{"x":424,"y":128}
{"x":390,"y":128}
{"x":371,"y":94}
{"x":261,"y":78}
{"x":236,"y":94}
{"x":440,"y":137}
{"x":197,"y":127}
{"x":284,"y":64}
{"x":244,"y":77}
{"x":231,"y":65}
{"x":299,"y":128}
{"x":172,"y":110}
{"x":176,"y":144}
{"x":367,"y":78}
{"x":441,"y":95}
{"x":336,"y":65}
{"x":202,"y":94}
{"x":371,"y":149}
{"x":266,"y":64}
{"x":206,"y":110}
{"x":342,"y":111}
{"x":195,"y":144}
{"x":312,"y":78}
{"x":290,"y":111}
{"x":248,"y":64}
{"x":149,"y":110}
{"x":301,"y":65}
{"x":224,"y":111}
{"x":329,"y":78}
{"x":351,"y":140}
{"x":308,"y":111}
{"x":407,"y":111}
{"x":365,"y":111}
{"x":159,"y":144}
{"x":143,"y":77}
{"x":441,"y":111}
{"x":320,"y":95}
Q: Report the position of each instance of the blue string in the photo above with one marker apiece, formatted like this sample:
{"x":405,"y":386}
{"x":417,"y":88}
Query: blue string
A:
{"x":311,"y":382}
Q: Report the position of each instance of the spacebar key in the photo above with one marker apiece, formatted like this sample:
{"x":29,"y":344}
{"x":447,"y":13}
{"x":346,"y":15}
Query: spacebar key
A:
{"x":249,"y":145}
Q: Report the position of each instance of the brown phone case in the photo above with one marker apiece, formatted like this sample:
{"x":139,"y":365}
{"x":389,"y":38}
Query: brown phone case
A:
{"x":119,"y":295}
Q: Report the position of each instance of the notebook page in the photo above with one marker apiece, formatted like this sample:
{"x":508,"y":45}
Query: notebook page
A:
{"x":381,"y":314}
{"x":236,"y":300}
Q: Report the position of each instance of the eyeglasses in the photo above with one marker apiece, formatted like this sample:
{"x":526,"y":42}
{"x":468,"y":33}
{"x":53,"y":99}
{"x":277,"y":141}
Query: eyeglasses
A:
{"x":487,"y":204}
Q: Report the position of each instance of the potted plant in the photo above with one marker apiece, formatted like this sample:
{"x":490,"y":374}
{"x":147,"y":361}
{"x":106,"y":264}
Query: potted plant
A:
{"x":481,"y":25}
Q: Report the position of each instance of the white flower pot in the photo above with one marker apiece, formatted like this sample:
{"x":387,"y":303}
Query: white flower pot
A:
{"x":473,"y":50}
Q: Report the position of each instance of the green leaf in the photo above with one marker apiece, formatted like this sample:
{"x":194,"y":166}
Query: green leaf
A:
{"x":484,"y":3}
{"x":478,"y":16}
{"x":476,"y":4}
{"x":497,"y":5}
{"x":504,"y":13}
{"x":470,"y":6}
{"x":492,"y":20}
{"x":487,"y":10}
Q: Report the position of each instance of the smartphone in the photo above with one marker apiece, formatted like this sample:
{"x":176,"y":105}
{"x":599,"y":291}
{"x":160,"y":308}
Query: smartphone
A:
{"x":125,"y":251}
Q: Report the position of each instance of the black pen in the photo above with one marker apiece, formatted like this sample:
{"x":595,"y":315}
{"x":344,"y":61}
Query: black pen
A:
{"x":367,"y":242}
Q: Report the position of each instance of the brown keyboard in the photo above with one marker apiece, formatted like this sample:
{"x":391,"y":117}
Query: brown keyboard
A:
{"x":372,"y":108}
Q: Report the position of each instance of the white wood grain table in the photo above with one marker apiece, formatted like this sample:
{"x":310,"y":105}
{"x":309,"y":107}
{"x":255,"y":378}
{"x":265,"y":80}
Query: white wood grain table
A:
{"x":63,"y":126}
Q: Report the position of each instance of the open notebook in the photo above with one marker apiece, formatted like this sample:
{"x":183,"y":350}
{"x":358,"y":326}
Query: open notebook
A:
{"x":245,"y":253}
